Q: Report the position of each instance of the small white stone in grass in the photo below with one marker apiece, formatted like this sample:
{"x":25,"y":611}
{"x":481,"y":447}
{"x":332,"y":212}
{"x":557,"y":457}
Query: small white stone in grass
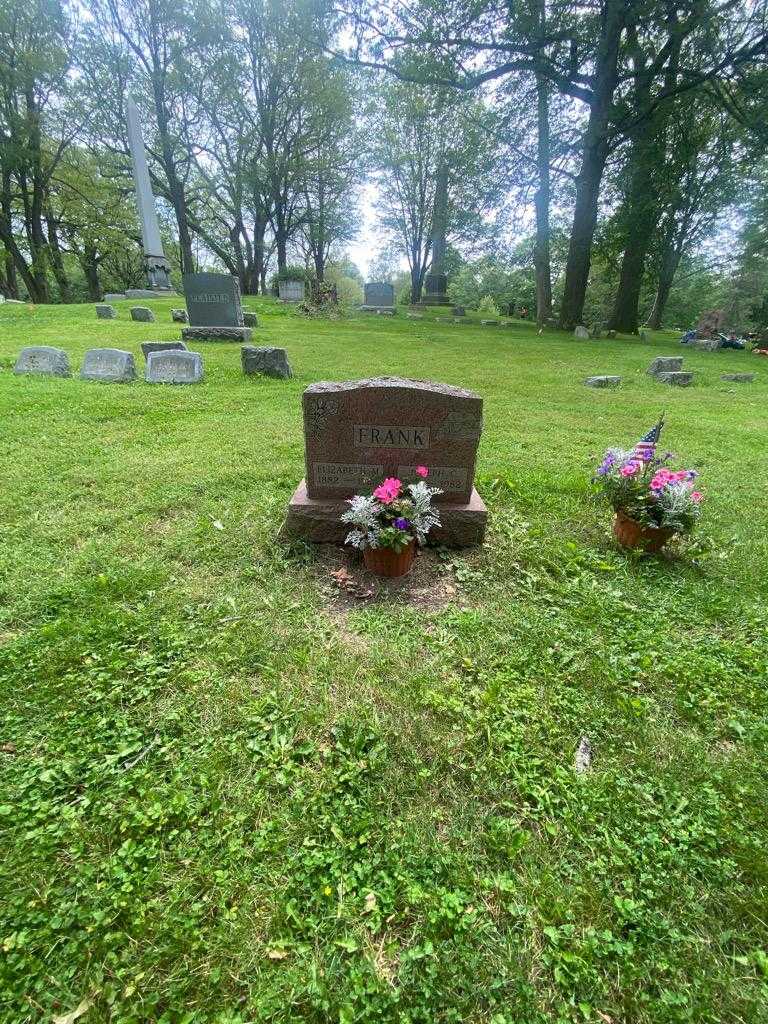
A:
{"x":217,"y":524}
{"x":582,"y":762}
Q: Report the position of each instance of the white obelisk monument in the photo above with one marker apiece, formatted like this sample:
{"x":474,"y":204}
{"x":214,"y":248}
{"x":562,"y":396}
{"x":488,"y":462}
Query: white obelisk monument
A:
{"x":157,"y":266}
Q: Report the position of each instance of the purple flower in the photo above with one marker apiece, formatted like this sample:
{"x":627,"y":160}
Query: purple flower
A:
{"x":402,"y":524}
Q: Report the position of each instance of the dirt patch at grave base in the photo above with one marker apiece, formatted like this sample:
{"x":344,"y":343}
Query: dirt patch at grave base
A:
{"x":346,"y":584}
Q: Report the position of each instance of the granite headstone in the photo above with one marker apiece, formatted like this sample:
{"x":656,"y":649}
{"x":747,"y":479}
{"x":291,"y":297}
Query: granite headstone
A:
{"x":110,"y":365}
{"x":268,"y":361}
{"x":148,"y":347}
{"x":378,"y":295}
{"x":174,"y":368}
{"x":291,"y":291}
{"x":359,"y":432}
{"x":143,"y":314}
{"x":214,"y":309}
{"x":105,"y":312}
{"x":665,"y":364}
{"x":44,"y":360}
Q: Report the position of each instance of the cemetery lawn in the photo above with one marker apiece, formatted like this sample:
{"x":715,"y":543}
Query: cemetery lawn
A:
{"x":228,"y":797}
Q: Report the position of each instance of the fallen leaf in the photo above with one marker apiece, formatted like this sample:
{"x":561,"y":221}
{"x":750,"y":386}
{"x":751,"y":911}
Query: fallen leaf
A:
{"x":277,"y":954}
{"x":8,"y":748}
{"x":73,"y":1015}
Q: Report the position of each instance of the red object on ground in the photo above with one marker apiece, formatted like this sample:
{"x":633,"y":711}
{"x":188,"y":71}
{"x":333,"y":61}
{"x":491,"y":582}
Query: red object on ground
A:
{"x":631,"y":534}
{"x":388,"y":562}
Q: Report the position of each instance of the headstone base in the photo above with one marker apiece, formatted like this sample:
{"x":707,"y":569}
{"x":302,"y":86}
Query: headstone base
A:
{"x":241,"y":334}
{"x":148,"y":293}
{"x":318,"y":521}
{"x":377,"y":309}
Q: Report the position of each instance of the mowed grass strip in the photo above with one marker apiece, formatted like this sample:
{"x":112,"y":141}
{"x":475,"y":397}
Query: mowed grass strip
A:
{"x":225,"y":800}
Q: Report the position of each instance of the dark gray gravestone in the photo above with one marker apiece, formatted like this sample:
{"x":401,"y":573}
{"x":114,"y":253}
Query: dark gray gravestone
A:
{"x":250,"y":320}
{"x":271,"y":362}
{"x":378,"y":295}
{"x":105,"y":312}
{"x":359,"y":432}
{"x":179,"y":316}
{"x":147,"y":347}
{"x":143,"y":314}
{"x":213,"y":300}
{"x":738,"y":378}
{"x":603,"y":382}
{"x":174,"y":368}
{"x":213,"y":305}
{"x":44,"y":360}
{"x":111,"y":365}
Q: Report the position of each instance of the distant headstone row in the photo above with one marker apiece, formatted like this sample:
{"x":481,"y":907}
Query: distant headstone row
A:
{"x":167,"y":363}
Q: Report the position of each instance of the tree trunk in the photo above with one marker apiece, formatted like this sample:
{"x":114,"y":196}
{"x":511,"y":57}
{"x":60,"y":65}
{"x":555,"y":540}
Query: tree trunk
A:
{"x":57,"y":260}
{"x":671,"y":254}
{"x":90,"y":264}
{"x":595,"y":154}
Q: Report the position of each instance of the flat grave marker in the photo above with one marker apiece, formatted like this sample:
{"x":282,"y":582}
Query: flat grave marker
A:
{"x":110,"y":365}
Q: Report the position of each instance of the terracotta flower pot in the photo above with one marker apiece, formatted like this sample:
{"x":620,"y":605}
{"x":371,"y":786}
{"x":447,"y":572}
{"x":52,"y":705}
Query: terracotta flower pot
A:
{"x":388,"y":562}
{"x":631,"y":534}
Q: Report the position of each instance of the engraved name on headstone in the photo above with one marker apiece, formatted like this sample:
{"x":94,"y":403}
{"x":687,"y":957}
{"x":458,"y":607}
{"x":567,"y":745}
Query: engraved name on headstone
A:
{"x":387,"y":426}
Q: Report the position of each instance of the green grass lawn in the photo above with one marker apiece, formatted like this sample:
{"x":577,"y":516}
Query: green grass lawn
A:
{"x":228,"y":797}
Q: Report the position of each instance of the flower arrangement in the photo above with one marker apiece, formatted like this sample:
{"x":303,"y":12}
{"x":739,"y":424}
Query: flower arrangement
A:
{"x":394,"y":515}
{"x":643,"y":487}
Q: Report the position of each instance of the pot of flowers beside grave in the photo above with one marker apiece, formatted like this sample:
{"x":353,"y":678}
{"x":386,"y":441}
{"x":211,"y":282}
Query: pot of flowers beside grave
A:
{"x":389,"y":524}
{"x":653,"y":502}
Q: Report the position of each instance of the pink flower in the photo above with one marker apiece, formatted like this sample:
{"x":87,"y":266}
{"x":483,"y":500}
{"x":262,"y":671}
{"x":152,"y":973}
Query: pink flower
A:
{"x":696,"y":496}
{"x":388,"y":491}
{"x":680,"y":476}
{"x":630,"y":469}
{"x":422,"y":471}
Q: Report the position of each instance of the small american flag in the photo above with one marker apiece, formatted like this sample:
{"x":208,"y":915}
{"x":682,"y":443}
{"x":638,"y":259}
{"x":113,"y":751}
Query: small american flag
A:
{"x":646,"y":446}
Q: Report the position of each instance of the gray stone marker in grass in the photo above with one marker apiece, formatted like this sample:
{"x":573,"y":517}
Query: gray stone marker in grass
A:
{"x":291,"y":291}
{"x":105,"y":311}
{"x":359,"y":432}
{"x":581,"y":332}
{"x":738,"y":378}
{"x":665,"y":364}
{"x":44,"y":360}
{"x":603,"y":382}
{"x":677,"y":377}
{"x":459,"y":311}
{"x":179,"y":316}
{"x":705,"y":344}
{"x":271,"y":362}
{"x":250,"y":319}
{"x":174,"y":368}
{"x":147,"y":347}
{"x":378,"y":295}
{"x":142,"y":314}
{"x":489,"y":323}
{"x":214,"y":309}
{"x":110,"y":365}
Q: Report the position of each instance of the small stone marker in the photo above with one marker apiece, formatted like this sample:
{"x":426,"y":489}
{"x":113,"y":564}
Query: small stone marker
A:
{"x":385,"y":312}
{"x":250,"y":319}
{"x":459,"y":311}
{"x":415,"y":316}
{"x":174,"y":368}
{"x":581,"y":332}
{"x":665,"y":364}
{"x":272,"y":362}
{"x":705,"y":344}
{"x":43,"y":360}
{"x":359,"y":432}
{"x":214,"y":309}
{"x":602,"y":382}
{"x":148,"y":347}
{"x":143,"y":314}
{"x":676,"y":377}
{"x":489,"y":323}
{"x":377,"y":296}
{"x":179,"y":316}
{"x":291,"y":291}
{"x":111,"y":365}
{"x":738,"y":378}
{"x":105,"y":311}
